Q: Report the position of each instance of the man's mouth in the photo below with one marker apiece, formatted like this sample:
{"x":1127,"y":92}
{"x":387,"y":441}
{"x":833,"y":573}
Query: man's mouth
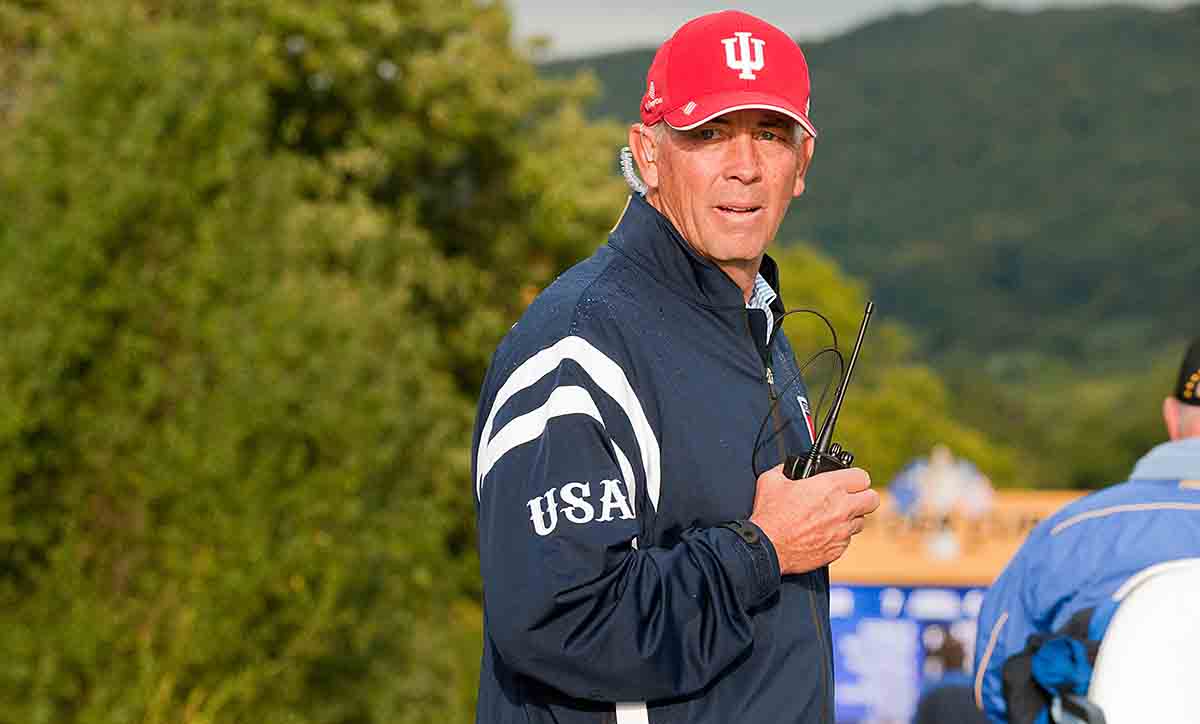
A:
{"x":740,"y":210}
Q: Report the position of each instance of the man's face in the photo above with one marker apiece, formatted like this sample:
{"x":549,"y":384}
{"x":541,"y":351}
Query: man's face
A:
{"x":726,"y":184}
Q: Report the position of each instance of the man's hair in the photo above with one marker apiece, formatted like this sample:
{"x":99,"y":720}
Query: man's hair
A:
{"x":661,"y":128}
{"x":660,"y":131}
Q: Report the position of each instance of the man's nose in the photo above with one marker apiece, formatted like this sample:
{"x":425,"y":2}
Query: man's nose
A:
{"x":742,"y":160}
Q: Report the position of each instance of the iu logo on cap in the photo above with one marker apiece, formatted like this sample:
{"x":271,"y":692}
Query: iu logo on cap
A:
{"x":741,"y":57}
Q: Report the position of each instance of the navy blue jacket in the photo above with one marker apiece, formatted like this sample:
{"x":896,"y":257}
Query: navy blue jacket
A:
{"x":615,"y":436}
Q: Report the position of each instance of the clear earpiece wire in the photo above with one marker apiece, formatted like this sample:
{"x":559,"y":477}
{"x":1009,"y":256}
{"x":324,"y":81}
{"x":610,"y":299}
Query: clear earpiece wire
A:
{"x":630,"y":173}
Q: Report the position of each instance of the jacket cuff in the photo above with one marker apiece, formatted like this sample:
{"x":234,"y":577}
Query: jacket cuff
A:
{"x":760,"y":577}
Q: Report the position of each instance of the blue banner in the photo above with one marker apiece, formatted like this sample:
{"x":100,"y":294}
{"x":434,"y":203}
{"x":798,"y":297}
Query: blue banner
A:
{"x":892,"y":643}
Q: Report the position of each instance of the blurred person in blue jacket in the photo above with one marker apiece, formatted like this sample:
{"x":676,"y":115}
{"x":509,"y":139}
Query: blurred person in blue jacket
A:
{"x":644,"y":559}
{"x":1074,"y":562}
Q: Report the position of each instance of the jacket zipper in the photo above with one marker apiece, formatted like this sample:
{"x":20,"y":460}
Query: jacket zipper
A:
{"x":826,"y":648}
{"x":826,"y":651}
{"x":772,"y":397}
{"x":775,"y":411}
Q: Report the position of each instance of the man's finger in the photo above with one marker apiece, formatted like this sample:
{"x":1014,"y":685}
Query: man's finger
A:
{"x":852,"y":480}
{"x":863,"y":502}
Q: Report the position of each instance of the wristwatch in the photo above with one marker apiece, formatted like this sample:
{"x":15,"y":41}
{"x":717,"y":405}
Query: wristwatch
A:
{"x":744,"y":529}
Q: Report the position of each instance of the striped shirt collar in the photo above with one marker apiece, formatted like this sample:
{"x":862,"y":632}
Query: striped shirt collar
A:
{"x":761,"y":298}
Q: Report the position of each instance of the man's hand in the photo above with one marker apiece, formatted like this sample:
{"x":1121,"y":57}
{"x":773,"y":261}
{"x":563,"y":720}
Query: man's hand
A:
{"x":810,"y":521}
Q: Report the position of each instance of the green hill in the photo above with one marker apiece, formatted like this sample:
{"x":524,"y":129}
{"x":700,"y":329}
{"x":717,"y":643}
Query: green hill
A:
{"x":1015,"y":186}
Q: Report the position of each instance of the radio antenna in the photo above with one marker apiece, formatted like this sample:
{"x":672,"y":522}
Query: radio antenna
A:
{"x":823,"y":450}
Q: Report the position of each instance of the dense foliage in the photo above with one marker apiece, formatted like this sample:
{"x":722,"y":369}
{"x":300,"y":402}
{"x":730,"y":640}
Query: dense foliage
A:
{"x":255,"y":261}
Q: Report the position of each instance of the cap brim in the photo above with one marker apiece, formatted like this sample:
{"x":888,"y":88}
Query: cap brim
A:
{"x":706,"y":109}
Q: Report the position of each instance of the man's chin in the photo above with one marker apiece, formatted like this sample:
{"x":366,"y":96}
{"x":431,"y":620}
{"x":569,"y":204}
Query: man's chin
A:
{"x":743,"y":247}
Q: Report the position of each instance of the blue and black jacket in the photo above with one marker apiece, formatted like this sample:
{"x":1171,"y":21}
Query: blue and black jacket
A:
{"x":614,"y":442}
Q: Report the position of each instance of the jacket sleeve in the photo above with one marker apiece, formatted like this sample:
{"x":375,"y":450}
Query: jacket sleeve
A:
{"x":565,"y":469}
{"x":1014,"y":608}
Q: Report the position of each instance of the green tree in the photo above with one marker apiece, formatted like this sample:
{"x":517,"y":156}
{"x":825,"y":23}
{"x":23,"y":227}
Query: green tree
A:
{"x":1080,"y":428}
{"x":896,"y":407}
{"x":257,"y":254}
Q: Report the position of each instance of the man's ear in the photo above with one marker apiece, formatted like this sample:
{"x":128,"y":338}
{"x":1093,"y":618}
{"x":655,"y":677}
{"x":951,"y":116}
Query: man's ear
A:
{"x":644,"y":144}
{"x":806,"y":153}
{"x":1171,"y":415}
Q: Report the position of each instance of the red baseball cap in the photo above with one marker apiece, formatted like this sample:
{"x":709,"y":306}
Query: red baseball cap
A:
{"x":726,"y":61}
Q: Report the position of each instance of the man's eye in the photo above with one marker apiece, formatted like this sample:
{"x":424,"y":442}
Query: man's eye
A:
{"x":706,"y":134}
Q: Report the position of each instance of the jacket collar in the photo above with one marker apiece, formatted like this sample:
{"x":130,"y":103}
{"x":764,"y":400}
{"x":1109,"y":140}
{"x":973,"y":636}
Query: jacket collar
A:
{"x":1175,"y":460}
{"x":652,"y":242}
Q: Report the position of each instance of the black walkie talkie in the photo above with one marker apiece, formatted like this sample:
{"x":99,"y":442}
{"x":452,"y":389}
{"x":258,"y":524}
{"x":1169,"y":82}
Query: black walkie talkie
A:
{"x":825,"y":456}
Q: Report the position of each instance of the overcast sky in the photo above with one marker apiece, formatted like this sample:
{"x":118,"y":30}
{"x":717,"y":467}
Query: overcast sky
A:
{"x":580,"y":28}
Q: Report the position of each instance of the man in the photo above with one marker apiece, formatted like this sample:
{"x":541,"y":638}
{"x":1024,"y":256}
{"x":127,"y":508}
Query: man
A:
{"x":1079,"y":558}
{"x":949,"y":700}
{"x":637,"y":568}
